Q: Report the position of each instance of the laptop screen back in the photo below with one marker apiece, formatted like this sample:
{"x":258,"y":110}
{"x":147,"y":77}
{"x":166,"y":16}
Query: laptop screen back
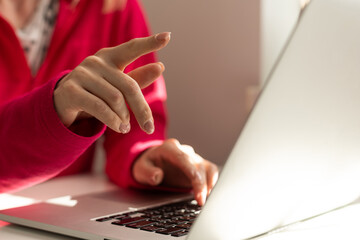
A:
{"x":298,"y":154}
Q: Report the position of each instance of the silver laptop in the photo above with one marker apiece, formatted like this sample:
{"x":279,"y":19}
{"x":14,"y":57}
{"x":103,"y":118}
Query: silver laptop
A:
{"x":297,"y":157}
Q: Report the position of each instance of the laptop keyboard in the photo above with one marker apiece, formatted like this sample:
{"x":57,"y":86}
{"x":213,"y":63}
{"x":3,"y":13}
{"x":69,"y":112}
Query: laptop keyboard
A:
{"x":173,"y":219}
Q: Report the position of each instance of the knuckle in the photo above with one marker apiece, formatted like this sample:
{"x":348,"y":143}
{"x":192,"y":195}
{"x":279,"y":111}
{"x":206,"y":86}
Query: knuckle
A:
{"x":70,"y":94}
{"x":80,"y":72}
{"x":116,"y":98}
{"x":132,"y":88}
{"x":188,"y":149}
{"x":180,"y":155}
{"x":70,"y":87}
{"x":183,"y":156}
{"x":100,"y":107}
{"x":172,"y":141}
{"x":93,"y":60}
{"x":102,"y":52}
{"x":114,"y":120}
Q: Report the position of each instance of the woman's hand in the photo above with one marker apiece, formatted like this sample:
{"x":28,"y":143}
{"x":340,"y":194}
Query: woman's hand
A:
{"x":174,"y":165}
{"x":99,"y":88}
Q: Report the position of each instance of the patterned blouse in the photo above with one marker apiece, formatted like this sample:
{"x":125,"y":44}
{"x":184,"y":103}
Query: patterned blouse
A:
{"x":35,"y":36}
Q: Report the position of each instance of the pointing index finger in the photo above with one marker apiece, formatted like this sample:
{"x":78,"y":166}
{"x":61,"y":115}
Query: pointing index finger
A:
{"x":126,"y":53}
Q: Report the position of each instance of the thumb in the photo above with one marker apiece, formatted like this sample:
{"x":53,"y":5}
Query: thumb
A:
{"x":145,"y":172}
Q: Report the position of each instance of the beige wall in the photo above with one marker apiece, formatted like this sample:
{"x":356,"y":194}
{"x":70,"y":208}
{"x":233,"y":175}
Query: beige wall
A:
{"x":211,"y":61}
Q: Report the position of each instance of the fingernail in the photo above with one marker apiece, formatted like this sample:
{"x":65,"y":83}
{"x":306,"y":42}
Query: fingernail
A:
{"x":156,"y":179}
{"x":149,"y":127}
{"x":161,"y":66}
{"x":204,"y":195}
{"x":161,"y":37}
{"x":124,"y":128}
{"x":200,"y":198}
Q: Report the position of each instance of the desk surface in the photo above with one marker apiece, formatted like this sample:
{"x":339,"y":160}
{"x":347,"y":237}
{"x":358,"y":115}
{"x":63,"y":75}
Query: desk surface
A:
{"x":340,"y":224}
{"x":83,"y":184}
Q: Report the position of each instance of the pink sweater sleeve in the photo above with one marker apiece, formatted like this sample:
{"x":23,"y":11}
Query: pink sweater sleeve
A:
{"x":34,"y":144}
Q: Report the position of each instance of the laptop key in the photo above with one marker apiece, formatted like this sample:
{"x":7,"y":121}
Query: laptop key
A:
{"x":121,"y":217}
{"x":151,"y":228}
{"x":164,"y":224}
{"x":140,"y":224}
{"x":185,"y":225}
{"x":155,"y":217}
{"x":188,"y":218}
{"x":104,"y":219}
{"x":117,"y":215}
{"x":128,"y":221}
{"x":170,"y":230}
{"x":179,"y":234}
{"x":178,"y":221}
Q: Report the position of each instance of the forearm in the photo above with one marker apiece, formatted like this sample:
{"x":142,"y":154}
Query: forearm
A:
{"x":35,"y":145}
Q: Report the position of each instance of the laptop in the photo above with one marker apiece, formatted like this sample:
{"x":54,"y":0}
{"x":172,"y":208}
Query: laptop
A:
{"x":296,"y":158}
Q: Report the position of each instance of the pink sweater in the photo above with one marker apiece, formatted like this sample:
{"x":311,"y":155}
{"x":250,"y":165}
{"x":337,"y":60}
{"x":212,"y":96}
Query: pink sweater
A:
{"x":34,"y":144}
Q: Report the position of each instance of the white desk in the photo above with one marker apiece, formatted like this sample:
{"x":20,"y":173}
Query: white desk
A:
{"x":339,"y":225}
{"x":342,"y":224}
{"x":84,"y":184}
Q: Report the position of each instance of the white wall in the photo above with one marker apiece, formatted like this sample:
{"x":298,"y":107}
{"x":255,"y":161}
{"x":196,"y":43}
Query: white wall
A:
{"x":211,"y":61}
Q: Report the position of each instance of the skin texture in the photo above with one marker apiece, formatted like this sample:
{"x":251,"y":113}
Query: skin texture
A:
{"x":17,"y":12}
{"x":175,"y":165}
{"x":98,"y":87}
